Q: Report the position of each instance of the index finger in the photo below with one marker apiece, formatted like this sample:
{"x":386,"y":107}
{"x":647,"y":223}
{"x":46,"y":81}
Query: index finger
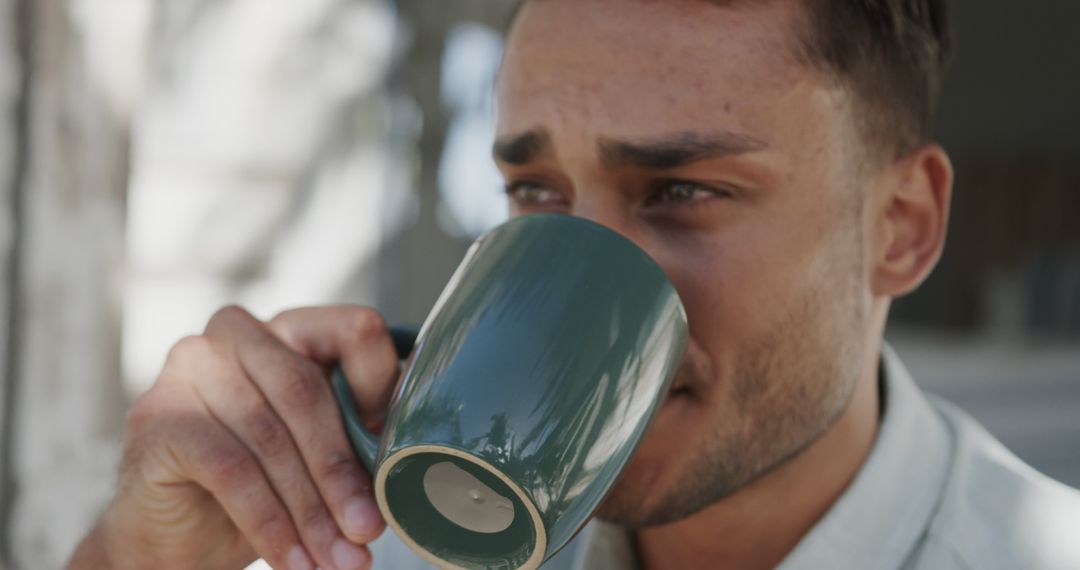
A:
{"x":354,"y":337}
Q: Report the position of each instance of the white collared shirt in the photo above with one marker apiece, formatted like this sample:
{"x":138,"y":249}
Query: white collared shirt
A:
{"x":936,"y":492}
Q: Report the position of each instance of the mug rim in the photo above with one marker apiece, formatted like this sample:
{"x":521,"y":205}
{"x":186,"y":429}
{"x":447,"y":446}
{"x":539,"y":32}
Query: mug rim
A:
{"x":594,"y":227}
{"x":386,"y":465}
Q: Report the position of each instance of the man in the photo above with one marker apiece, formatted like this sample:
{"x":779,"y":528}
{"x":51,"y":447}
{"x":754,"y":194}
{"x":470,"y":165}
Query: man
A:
{"x":773,"y":156}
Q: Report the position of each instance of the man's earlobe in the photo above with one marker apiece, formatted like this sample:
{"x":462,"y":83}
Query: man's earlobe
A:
{"x":912,"y":221}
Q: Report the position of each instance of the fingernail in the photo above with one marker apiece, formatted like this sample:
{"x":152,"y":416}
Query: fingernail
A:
{"x":348,"y":556}
{"x":299,"y":560}
{"x":362,"y":517}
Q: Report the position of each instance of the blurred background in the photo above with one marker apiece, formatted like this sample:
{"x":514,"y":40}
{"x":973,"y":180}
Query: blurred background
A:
{"x":161,"y":159}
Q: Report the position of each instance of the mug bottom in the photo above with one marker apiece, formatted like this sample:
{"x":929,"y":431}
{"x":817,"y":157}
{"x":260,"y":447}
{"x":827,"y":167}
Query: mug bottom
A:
{"x":458,"y":511}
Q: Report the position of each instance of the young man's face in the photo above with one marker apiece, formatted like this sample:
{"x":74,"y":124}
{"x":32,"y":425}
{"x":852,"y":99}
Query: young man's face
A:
{"x":696,"y":131}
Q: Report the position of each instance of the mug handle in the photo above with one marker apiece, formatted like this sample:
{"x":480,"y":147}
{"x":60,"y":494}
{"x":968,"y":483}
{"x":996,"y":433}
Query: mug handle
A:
{"x":365,"y":443}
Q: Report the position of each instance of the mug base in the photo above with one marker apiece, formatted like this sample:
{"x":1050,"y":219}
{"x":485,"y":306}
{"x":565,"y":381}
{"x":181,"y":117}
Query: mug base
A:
{"x":457,"y":511}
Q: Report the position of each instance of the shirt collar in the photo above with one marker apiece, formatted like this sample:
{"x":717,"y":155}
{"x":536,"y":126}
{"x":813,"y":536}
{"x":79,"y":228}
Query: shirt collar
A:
{"x":878,"y":520}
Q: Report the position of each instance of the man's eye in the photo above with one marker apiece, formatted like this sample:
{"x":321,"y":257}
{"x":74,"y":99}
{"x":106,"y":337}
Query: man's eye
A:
{"x":682,"y":192}
{"x":532,"y":194}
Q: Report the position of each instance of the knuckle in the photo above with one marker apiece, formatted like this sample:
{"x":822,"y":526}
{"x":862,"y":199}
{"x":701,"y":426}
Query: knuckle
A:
{"x":286,"y":316}
{"x":268,"y":434}
{"x":143,"y":412}
{"x":314,"y":517}
{"x":299,"y":387}
{"x":341,"y":466}
{"x":155,"y":409}
{"x":157,"y":424}
{"x":187,"y":349}
{"x":366,"y":324}
{"x":273,"y":526}
{"x":229,"y":314}
{"x":282,"y":323}
{"x":229,"y":469}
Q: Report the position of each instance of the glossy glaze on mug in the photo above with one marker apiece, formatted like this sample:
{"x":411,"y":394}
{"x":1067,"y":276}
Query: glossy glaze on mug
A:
{"x":546,"y":356}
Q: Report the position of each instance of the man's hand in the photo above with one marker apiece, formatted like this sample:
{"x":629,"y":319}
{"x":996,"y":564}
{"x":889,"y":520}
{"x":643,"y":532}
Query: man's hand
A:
{"x":238,"y":450}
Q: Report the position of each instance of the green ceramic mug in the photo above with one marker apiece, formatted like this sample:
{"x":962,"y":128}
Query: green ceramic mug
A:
{"x":531,"y":384}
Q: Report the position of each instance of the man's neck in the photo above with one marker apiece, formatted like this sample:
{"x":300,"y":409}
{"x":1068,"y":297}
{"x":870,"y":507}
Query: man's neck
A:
{"x":761,"y":524}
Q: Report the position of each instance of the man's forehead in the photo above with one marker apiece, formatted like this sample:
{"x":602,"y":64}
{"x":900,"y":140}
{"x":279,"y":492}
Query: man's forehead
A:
{"x":577,"y":88}
{"x":623,"y":5}
{"x":722,"y":3}
{"x":710,"y":29}
{"x":597,"y":59}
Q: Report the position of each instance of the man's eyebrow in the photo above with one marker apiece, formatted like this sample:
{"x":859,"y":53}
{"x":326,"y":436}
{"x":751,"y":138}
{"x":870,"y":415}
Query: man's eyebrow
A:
{"x":521,"y":148}
{"x":676,"y":150}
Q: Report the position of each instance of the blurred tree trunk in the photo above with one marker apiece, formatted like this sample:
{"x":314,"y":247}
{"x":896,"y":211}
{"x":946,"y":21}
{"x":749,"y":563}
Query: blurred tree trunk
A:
{"x":67,"y":200}
{"x":12,"y":40}
{"x":418,"y":261}
{"x":420,"y":258}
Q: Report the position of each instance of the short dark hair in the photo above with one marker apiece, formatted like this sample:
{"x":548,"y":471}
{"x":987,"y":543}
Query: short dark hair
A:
{"x":891,"y":54}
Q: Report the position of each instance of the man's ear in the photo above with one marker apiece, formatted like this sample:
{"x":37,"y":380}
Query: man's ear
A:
{"x":912,"y":220}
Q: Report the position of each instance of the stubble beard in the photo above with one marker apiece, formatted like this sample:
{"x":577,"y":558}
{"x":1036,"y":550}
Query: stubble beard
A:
{"x":790,"y":386}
